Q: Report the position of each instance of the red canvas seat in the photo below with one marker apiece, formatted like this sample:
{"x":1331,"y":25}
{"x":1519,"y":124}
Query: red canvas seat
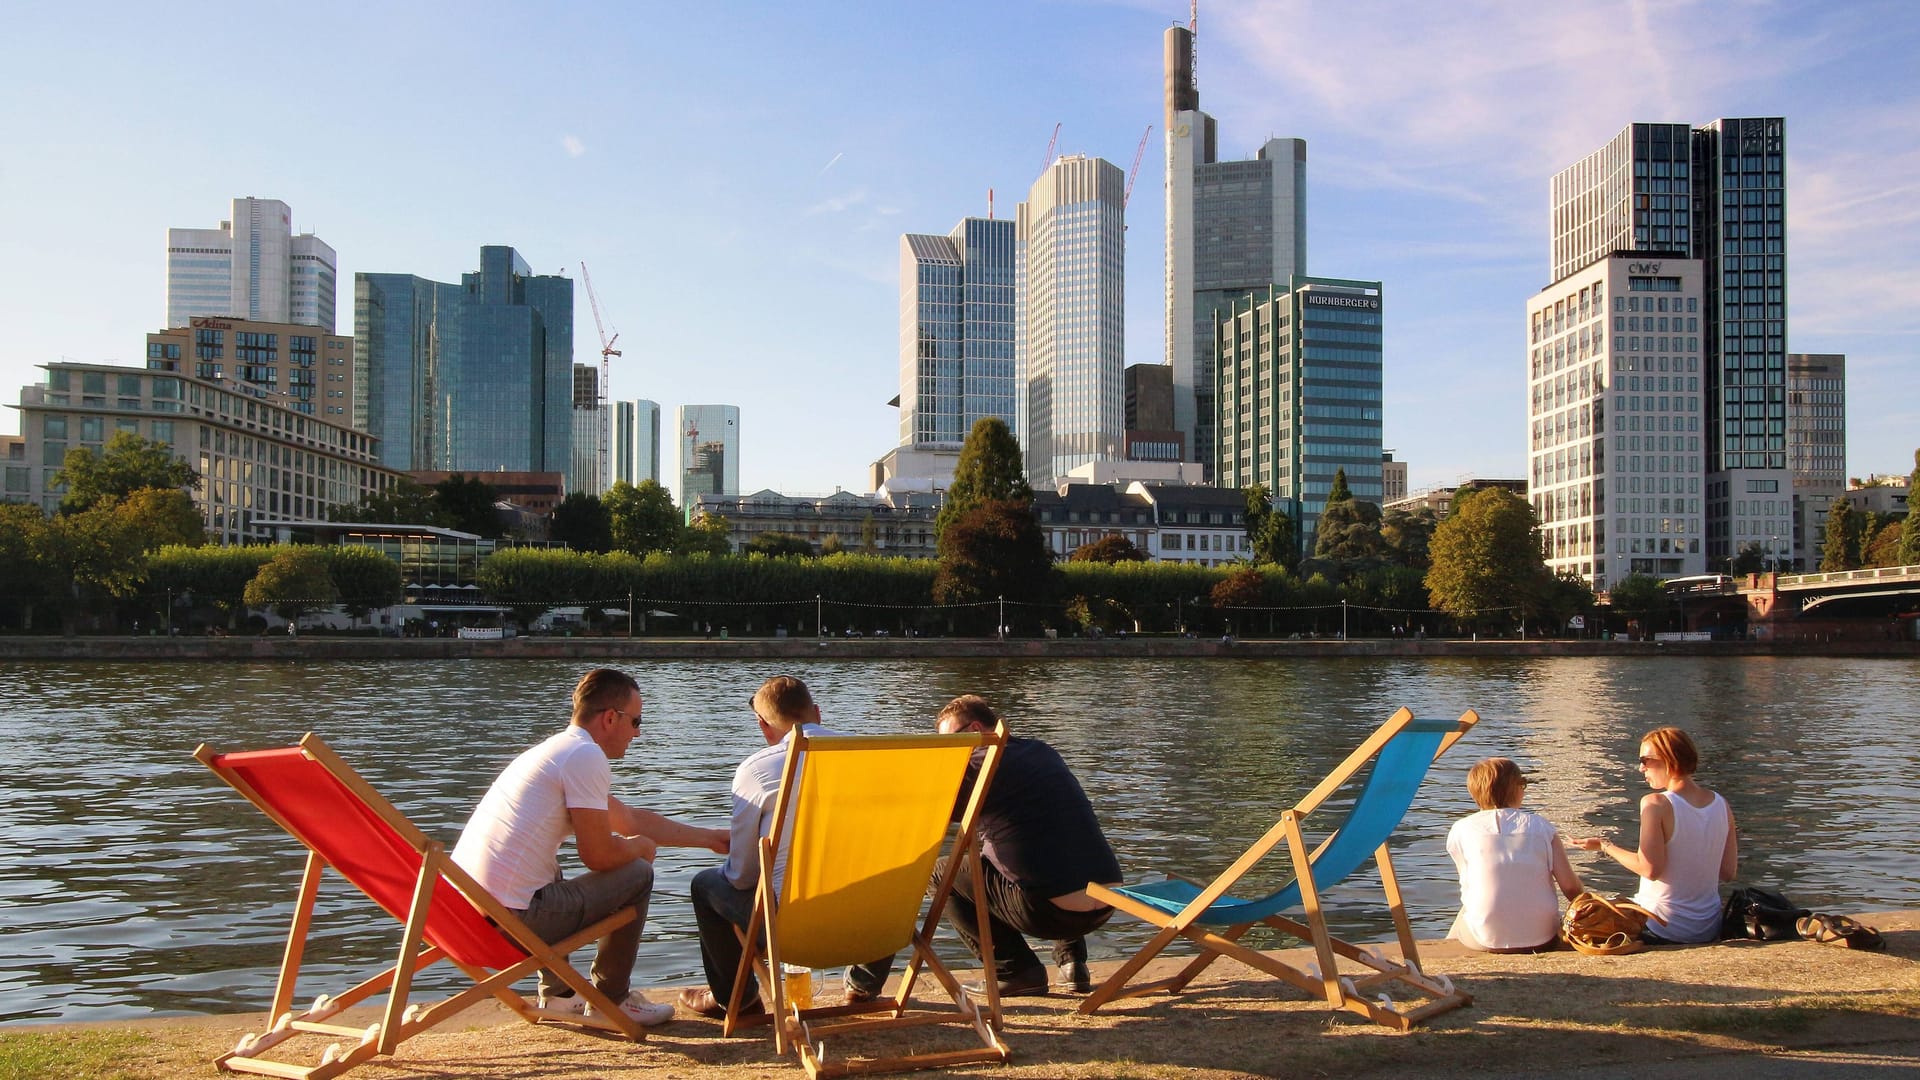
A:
{"x":347,"y":826}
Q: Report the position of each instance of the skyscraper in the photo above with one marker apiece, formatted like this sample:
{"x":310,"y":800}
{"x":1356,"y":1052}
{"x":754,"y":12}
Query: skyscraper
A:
{"x":1300,"y":394}
{"x":474,"y":377}
{"x":252,"y":267}
{"x":1716,"y":193}
{"x":636,"y":441}
{"x":709,"y":451}
{"x":1071,"y":345}
{"x":956,"y":332}
{"x":1816,"y":446}
{"x":1233,"y":228}
{"x":587,"y":464}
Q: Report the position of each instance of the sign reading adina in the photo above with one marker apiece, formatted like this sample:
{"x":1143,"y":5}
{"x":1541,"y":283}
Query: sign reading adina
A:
{"x":1345,"y":300}
{"x":204,"y":322}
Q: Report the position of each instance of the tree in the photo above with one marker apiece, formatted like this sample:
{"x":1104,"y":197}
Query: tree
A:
{"x":989,"y":470}
{"x":641,"y":517}
{"x":1750,"y":559}
{"x":1244,"y":587}
{"x":1349,"y":529}
{"x":1409,"y":535}
{"x":582,"y":523}
{"x":125,"y":465}
{"x":466,"y":504}
{"x":1486,"y":560}
{"x":160,"y":517}
{"x":831,"y":544}
{"x":293,"y":581}
{"x":1641,"y":600}
{"x":709,"y":536}
{"x":777,"y":545}
{"x":1910,"y":528}
{"x":408,"y":502}
{"x":1844,"y":527}
{"x":1270,"y":532}
{"x":363,"y":578}
{"x":993,"y":550}
{"x":1881,"y":547}
{"x":25,"y":579}
{"x":1561,"y":597}
{"x":1110,"y":548}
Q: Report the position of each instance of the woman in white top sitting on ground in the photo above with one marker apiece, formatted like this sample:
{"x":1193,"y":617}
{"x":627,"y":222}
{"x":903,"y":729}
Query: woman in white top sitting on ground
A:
{"x":1509,"y":860}
{"x":1688,"y":844}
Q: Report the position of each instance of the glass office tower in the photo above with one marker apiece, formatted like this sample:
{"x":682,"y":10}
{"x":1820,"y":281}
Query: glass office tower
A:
{"x":709,"y":438}
{"x":636,"y":441}
{"x":1299,"y":390}
{"x":475,"y":377}
{"x":956,"y":332}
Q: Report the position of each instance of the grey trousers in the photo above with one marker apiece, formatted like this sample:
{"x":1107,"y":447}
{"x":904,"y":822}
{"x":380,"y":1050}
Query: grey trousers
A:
{"x":566,"y":906}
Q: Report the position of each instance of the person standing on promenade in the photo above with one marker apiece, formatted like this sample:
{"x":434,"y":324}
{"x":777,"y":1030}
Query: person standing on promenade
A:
{"x":1042,"y":846}
{"x":1688,"y":843}
{"x":563,"y":787}
{"x":1509,"y":860}
{"x":723,"y":895}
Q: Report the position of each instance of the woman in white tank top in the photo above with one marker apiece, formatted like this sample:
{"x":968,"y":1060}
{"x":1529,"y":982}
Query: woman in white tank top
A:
{"x":1688,"y":843}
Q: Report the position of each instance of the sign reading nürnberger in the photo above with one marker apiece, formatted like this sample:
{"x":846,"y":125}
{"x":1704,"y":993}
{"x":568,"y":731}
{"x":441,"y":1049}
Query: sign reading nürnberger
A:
{"x":1342,"y":300}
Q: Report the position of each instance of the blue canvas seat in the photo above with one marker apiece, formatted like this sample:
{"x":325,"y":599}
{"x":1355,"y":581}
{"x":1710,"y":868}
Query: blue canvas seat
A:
{"x":1401,"y":752}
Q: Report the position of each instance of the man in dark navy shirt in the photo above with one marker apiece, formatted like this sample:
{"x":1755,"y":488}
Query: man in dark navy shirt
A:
{"x":1042,"y":845}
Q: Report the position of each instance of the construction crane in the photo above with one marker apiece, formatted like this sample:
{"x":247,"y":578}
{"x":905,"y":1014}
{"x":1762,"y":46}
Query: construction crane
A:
{"x":607,"y":353}
{"x":1051,"y":143}
{"x":1135,"y":171}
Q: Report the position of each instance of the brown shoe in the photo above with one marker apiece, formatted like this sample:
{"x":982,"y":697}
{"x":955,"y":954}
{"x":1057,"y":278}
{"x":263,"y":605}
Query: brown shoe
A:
{"x":700,"y":1001}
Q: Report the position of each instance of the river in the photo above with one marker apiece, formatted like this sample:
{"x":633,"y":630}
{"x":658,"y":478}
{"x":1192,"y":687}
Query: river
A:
{"x":133,"y":882}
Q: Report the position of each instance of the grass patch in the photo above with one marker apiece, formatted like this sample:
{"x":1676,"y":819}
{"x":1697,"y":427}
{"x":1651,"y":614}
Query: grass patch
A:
{"x":1742,"y":1019}
{"x":72,"y":1055}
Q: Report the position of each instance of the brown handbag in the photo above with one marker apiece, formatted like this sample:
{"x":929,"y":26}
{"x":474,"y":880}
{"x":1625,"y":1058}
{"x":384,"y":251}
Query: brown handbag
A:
{"x":1598,"y":926}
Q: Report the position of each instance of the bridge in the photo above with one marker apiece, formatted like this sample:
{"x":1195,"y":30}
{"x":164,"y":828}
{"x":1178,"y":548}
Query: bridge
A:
{"x":1883,"y":599}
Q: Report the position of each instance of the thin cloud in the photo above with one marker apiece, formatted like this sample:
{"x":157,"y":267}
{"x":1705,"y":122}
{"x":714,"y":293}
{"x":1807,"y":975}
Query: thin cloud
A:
{"x":572,"y":145}
{"x":830,"y":164}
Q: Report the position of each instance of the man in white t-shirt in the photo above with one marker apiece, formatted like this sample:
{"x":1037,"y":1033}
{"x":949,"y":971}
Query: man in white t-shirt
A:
{"x":561,"y":788}
{"x":723,"y":895}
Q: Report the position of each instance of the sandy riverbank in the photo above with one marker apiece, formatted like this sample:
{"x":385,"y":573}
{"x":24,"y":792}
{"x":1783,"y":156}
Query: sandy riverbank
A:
{"x":1559,"y":1013}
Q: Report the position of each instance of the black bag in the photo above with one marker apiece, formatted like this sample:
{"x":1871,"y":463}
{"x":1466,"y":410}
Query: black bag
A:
{"x":1760,"y":914}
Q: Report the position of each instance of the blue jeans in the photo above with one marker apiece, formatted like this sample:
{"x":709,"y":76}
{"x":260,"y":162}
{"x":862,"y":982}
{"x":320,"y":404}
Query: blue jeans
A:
{"x":566,"y":906}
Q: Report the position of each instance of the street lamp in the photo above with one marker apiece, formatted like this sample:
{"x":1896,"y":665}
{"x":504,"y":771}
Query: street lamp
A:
{"x":1343,"y":619}
{"x":1773,"y":566}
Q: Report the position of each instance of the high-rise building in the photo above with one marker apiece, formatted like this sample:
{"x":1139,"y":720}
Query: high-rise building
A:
{"x":1716,"y":193}
{"x":1233,"y":228}
{"x":587,"y":460}
{"x":956,"y":332}
{"x":636,"y":441}
{"x":1816,"y":447}
{"x":709,"y":438}
{"x":1298,"y":385}
{"x":1071,"y":344}
{"x":252,"y":267}
{"x":474,"y":377}
{"x":1150,"y":433}
{"x":1614,"y":414}
{"x":301,"y":369}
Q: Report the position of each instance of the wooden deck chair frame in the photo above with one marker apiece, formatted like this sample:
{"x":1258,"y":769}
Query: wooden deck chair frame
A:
{"x":1364,"y":995}
{"x":805,"y":1031}
{"x":428,"y":864}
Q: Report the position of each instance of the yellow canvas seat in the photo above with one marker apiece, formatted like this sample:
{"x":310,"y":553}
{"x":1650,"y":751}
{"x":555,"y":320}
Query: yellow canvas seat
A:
{"x":445,"y":914}
{"x":1400,"y":751}
{"x":866,"y":818}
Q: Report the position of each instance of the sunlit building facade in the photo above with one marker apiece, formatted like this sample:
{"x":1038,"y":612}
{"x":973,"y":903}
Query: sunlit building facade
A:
{"x":636,"y":441}
{"x":253,"y":266}
{"x":956,"y":332}
{"x":709,"y":438}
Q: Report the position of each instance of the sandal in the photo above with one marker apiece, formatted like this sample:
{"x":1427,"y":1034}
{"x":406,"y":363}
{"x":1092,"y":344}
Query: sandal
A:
{"x":1842,"y":931}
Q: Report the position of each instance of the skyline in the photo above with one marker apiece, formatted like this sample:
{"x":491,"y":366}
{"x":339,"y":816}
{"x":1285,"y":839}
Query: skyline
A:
{"x":738,"y":180}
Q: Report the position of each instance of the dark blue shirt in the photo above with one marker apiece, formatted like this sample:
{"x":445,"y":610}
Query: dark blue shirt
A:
{"x":1036,"y":825}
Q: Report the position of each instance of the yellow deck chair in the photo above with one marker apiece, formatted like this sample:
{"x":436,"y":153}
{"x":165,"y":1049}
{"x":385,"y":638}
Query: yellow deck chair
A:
{"x":1401,"y":750}
{"x":866,"y":818}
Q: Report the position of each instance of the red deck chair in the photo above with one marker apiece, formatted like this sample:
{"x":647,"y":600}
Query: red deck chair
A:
{"x":447,"y":915}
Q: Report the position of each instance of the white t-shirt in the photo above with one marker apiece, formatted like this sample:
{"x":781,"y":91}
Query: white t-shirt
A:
{"x":511,"y":844}
{"x":1507,"y":897}
{"x":756,"y":786}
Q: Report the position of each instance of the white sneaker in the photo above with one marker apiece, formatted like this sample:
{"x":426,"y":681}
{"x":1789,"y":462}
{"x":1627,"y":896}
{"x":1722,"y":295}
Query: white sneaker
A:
{"x":642,"y":1011}
{"x":571,"y":1004}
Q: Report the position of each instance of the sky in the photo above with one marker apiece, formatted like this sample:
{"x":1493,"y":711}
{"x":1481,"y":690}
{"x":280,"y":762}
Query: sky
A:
{"x":736,"y":176}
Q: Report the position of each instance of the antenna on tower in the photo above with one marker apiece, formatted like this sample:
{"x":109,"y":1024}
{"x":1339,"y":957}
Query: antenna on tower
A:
{"x":1193,"y":29}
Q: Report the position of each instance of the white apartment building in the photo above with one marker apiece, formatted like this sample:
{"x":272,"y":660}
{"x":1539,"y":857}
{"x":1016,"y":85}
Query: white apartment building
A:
{"x":253,"y":266}
{"x":1071,"y":335}
{"x":1614,"y":415}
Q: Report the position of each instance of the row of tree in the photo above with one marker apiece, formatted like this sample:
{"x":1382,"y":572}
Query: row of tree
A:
{"x":1859,"y":539}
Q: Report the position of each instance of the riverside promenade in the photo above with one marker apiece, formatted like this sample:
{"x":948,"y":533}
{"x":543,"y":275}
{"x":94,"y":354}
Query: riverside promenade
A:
{"x":554,"y":647}
{"x":1762,"y":1010}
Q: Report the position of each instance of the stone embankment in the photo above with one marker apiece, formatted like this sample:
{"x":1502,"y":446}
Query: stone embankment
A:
{"x":326,"y":647}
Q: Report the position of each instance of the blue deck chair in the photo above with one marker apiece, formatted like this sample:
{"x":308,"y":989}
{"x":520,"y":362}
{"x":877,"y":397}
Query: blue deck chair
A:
{"x":1402,"y":750}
